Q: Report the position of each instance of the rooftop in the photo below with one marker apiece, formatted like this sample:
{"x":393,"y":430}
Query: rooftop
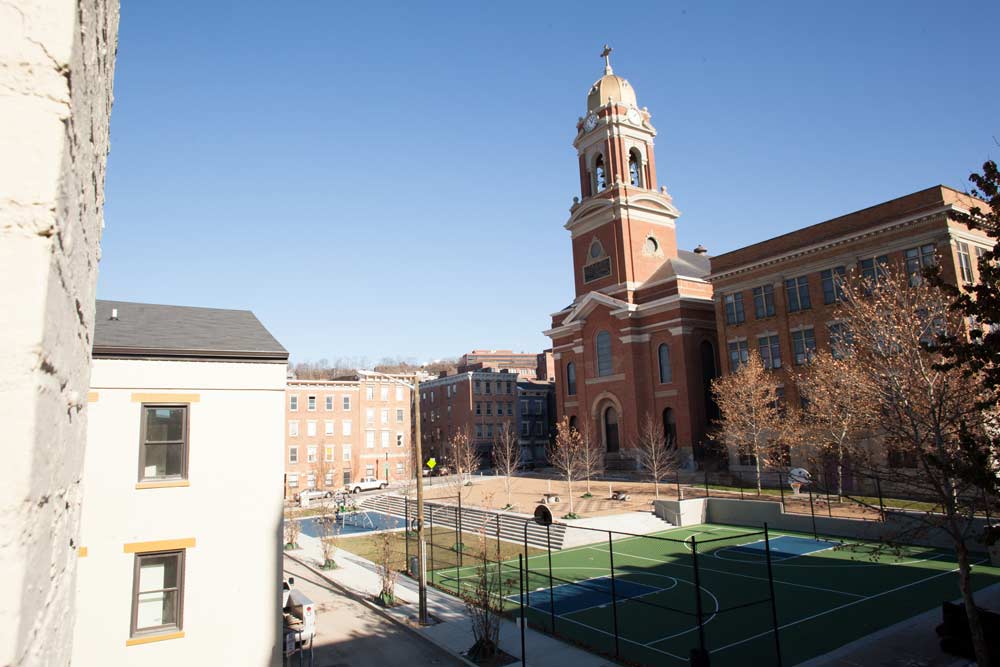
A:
{"x":128,"y":329}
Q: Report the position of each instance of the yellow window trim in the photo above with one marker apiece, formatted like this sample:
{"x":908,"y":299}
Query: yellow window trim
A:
{"x":159,"y":545}
{"x":135,"y":641}
{"x":81,"y":552}
{"x":92,"y":396}
{"x":163,"y":485}
{"x":165,"y":398}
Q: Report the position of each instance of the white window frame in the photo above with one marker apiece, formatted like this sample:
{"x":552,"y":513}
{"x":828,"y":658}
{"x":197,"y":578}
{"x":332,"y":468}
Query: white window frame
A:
{"x":327,"y":427}
{"x":293,"y":454}
{"x":370,"y":439}
{"x":293,"y":428}
{"x":345,"y":427}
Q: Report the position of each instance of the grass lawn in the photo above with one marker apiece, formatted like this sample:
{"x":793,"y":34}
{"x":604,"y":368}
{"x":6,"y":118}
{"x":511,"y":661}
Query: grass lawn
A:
{"x":440,"y":555}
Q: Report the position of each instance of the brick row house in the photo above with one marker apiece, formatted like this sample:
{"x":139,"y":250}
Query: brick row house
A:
{"x":780,"y":296}
{"x":638,"y":340}
{"x":338,"y":431}
{"x":476,"y":402}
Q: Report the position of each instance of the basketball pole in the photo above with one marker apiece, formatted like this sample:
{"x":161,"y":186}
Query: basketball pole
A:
{"x":552,"y":595}
{"x":614,"y":598}
{"x":520,"y":572}
{"x":697,"y":595}
{"x":774,"y":604}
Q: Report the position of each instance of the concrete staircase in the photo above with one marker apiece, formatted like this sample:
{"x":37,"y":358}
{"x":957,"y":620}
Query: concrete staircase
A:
{"x":513,"y":527}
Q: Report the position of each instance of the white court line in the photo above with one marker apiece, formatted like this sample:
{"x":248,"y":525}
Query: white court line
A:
{"x":583,"y":583}
{"x":838,"y":608}
{"x":625,"y":639}
{"x":734,"y":574}
{"x":715,"y":554}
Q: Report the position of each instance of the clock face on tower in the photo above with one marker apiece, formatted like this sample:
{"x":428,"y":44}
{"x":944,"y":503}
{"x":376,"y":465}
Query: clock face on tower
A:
{"x":634,"y":117}
{"x":590,"y":123}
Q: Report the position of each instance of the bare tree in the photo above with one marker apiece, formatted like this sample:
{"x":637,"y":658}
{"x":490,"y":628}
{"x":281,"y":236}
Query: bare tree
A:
{"x":924,"y":410}
{"x":751,"y":418}
{"x":591,"y":454}
{"x":507,"y":455}
{"x":320,"y":468}
{"x":329,"y":535}
{"x":385,"y":551}
{"x":564,"y":455}
{"x":484,"y":601}
{"x":832,"y":423}
{"x":655,"y":457}
{"x":464,"y":459}
{"x":292,"y":529}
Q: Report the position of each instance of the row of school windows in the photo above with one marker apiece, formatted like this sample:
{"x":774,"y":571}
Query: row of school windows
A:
{"x":329,"y":478}
{"x":489,"y":430}
{"x":478,"y":387}
{"x":345,"y":401}
{"x":872,"y":269}
{"x":803,"y":346}
{"x":602,"y":345}
{"x":384,"y":438}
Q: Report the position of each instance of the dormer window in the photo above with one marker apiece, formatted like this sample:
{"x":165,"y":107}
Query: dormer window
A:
{"x":635,"y":168}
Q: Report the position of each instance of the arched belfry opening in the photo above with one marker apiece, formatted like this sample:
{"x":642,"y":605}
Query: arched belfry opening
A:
{"x":635,"y":168}
{"x":600,"y":174}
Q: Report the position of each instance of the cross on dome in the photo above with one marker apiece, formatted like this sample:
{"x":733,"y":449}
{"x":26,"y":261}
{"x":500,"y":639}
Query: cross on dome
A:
{"x":606,"y":54}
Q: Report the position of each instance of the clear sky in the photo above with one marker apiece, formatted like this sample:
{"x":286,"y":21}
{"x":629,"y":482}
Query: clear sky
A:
{"x":380,"y":179}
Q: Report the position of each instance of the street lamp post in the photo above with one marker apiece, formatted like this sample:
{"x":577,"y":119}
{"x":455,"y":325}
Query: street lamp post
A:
{"x":418,"y":453}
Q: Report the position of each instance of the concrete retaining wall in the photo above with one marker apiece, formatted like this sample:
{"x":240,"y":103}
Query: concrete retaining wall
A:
{"x":902,"y":526}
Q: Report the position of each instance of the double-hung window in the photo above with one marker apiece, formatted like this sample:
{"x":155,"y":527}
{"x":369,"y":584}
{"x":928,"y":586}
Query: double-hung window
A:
{"x":329,"y":403}
{"x":797,"y":294}
{"x":370,"y":439}
{"x":841,"y":340}
{"x":347,"y":402}
{"x":763,"y":301}
{"x":293,"y":403}
{"x":965,"y":262}
{"x":293,"y":454}
{"x":917,"y":259}
{"x":163,"y":454}
{"x":311,"y":403}
{"x":734,"y":308}
{"x":803,"y":345}
{"x":770,"y":351}
{"x":833,"y":284}
{"x":873,"y":270}
{"x":399,"y":416}
{"x":157,"y":593}
{"x":739,"y":354}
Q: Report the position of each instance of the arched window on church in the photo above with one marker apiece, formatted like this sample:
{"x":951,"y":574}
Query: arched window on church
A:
{"x":600,"y":176}
{"x":570,"y":379}
{"x":666,"y":373}
{"x":635,"y":168}
{"x":603,"y":344}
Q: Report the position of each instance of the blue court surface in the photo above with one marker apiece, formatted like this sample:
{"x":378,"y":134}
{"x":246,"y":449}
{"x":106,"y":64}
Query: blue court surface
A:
{"x":354,"y":523}
{"x":783,"y":547}
{"x":584,"y":594}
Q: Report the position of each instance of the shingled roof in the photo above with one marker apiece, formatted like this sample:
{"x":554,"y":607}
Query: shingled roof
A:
{"x":152,"y":330}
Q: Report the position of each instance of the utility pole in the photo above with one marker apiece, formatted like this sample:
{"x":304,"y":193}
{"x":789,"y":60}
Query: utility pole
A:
{"x":421,"y":546}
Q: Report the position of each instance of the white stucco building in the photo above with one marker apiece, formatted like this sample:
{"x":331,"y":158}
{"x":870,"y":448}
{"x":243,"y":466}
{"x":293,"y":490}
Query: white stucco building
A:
{"x":180,"y":559}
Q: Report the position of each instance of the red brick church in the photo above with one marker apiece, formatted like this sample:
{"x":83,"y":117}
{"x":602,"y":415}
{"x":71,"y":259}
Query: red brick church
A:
{"x":640,"y":337}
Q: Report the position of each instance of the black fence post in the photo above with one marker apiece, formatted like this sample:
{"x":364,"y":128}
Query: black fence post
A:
{"x":739,"y":478}
{"x":781,"y":490}
{"x":812,"y":512}
{"x":526,"y":570}
{"x":552,"y":595}
{"x":697,"y":596}
{"x":498,"y":538}
{"x":430,"y":509}
{"x":459,"y":547}
{"x":521,"y":585}
{"x":677,"y":476}
{"x":614,"y":598}
{"x":881,"y":504}
{"x":708,"y":494}
{"x":774,"y":603}
{"x":826,"y":488}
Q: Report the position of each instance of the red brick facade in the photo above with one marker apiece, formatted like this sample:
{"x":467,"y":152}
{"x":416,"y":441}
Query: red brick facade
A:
{"x":922,"y":224}
{"x":337,"y":432}
{"x":639,"y":339}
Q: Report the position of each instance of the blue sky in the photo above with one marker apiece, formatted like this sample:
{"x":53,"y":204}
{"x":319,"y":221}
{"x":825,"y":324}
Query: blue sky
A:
{"x":380,"y":179}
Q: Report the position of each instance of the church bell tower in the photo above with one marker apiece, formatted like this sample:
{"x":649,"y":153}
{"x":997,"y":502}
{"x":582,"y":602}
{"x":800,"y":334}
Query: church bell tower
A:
{"x":622,"y":226}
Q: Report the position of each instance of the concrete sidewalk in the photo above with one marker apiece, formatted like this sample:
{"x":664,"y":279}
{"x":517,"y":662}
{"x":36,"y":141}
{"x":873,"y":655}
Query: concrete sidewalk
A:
{"x":454,"y":631}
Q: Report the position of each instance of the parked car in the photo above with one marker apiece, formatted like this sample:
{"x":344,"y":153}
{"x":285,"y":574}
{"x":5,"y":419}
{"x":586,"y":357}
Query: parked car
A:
{"x":367,"y":484}
{"x":312,"y":494}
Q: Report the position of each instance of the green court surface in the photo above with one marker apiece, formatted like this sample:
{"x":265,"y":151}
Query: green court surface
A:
{"x":828,"y":592}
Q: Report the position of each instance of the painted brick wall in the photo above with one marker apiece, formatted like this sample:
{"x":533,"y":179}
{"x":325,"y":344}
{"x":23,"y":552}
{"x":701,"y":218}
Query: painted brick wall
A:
{"x":57,"y":62}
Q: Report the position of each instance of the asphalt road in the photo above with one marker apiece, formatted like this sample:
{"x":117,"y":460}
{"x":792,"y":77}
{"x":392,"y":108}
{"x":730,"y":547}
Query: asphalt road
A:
{"x":351,"y":634}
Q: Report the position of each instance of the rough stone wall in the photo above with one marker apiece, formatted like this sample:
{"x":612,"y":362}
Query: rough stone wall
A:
{"x":56,"y":70}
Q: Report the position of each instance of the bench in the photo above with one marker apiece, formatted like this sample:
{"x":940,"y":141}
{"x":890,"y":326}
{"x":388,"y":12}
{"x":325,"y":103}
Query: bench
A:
{"x":620,"y":495}
{"x":549,"y":498}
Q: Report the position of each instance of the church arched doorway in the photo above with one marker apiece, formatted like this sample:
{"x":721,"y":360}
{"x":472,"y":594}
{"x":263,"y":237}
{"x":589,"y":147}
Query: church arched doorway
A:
{"x":609,"y":419}
{"x":669,"y":428}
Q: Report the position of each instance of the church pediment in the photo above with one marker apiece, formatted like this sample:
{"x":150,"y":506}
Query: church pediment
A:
{"x":591,"y":301}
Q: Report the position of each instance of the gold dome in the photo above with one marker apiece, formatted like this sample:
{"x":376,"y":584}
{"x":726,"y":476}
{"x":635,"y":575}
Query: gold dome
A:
{"x":610,"y":87}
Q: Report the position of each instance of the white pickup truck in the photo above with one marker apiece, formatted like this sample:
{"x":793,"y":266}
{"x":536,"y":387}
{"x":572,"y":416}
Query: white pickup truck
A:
{"x":367,"y":484}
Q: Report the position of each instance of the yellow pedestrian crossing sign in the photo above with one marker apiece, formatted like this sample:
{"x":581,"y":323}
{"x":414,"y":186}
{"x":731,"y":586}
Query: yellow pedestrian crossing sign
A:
{"x":431,"y":462}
